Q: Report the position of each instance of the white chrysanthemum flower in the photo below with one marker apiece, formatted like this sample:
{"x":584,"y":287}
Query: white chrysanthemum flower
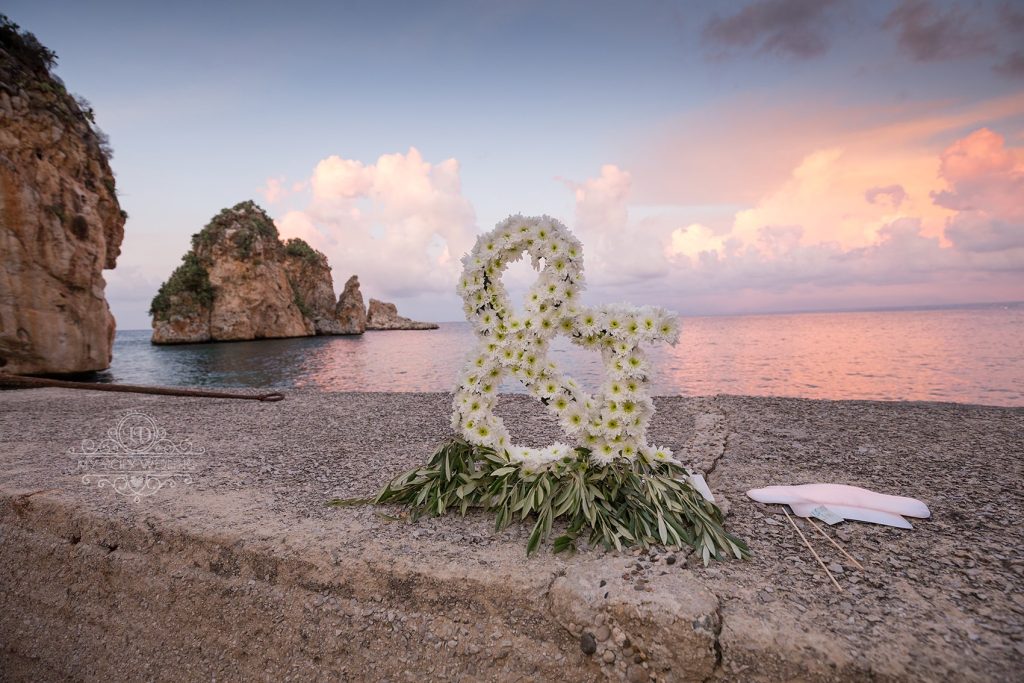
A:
{"x":556,"y":453}
{"x":648,"y":320}
{"x":572,"y":420}
{"x":661,"y":454}
{"x":587,"y":323}
{"x":612,"y":427}
{"x":629,"y":409}
{"x":668,"y":327}
{"x":548,"y":388}
{"x":518,"y":454}
{"x":604,"y":452}
{"x":628,"y":450}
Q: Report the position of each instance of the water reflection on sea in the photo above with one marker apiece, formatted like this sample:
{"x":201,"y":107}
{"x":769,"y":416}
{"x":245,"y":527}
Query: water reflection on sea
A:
{"x":965,"y":354}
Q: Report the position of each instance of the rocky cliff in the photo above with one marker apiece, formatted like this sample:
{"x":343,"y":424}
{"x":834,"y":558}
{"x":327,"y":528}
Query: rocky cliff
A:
{"x":310,"y":276}
{"x":384,"y":316}
{"x":240,"y":282}
{"x":351,"y":311}
{"x":60,"y":221}
{"x":234,"y":284}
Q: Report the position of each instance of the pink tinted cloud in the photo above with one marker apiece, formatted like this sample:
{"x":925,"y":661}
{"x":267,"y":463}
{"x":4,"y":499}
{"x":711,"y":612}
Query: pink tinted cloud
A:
{"x":986,"y":189}
{"x":844,"y":219}
{"x":618,"y":250}
{"x":274,"y":190}
{"x":735,"y":151}
{"x":891,"y":194}
{"x":401,"y":223}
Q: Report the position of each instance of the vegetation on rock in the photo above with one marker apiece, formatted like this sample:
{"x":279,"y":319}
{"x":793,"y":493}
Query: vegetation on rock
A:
{"x":25,"y":47}
{"x":300,"y":303}
{"x":247,"y":219}
{"x":190,"y":278}
{"x":300,"y":249}
{"x":28,"y":64}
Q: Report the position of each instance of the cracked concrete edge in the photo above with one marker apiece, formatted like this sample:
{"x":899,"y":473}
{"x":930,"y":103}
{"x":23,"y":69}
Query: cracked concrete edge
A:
{"x":55,"y":556}
{"x":56,"y":553}
{"x":708,"y":442}
{"x":670,"y":634}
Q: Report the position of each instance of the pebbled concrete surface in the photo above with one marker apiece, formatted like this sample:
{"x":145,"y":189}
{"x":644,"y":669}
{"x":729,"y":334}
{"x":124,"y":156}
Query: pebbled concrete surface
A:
{"x":244,"y":574}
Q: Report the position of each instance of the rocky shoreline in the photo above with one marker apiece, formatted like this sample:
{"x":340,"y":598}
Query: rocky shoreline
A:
{"x":244,"y":573}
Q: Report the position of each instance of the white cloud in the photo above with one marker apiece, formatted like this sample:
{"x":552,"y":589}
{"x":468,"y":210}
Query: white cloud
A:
{"x":274,"y":190}
{"x":846,"y":220}
{"x":400,"y":223}
{"x":842,"y":220}
{"x":616,"y":249}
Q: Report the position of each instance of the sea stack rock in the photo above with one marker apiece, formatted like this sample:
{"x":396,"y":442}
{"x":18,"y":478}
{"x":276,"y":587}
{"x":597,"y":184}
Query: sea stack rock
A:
{"x":384,"y":316}
{"x":310,"y":277}
{"x":351,"y":311}
{"x":234,"y":284}
{"x":60,"y":221}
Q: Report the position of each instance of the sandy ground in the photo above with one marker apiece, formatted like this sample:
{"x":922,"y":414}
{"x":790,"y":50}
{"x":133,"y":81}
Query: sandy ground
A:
{"x":353,"y":591}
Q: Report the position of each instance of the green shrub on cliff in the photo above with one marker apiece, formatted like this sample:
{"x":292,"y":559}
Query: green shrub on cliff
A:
{"x":191,"y":277}
{"x":300,"y":303}
{"x":249,"y":221}
{"x":25,"y":46}
{"x":27,"y":63}
{"x":301,"y":249}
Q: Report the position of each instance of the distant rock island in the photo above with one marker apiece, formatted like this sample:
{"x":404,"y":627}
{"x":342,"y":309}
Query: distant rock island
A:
{"x":60,"y":221}
{"x":239,"y":282}
{"x":384,"y":316}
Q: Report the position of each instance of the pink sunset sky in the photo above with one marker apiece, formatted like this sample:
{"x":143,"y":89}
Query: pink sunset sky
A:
{"x":766,"y":155}
{"x":885,"y":206}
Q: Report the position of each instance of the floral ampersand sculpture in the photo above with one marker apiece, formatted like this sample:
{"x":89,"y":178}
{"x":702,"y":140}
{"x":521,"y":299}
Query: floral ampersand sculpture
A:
{"x":609,"y":480}
{"x":612,"y":425}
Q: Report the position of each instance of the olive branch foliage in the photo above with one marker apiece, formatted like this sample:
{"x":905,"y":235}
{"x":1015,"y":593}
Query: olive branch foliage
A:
{"x":616,"y":505}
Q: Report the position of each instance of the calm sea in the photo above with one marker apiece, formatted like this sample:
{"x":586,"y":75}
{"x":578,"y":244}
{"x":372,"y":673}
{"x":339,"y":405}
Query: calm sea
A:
{"x":971,"y":355}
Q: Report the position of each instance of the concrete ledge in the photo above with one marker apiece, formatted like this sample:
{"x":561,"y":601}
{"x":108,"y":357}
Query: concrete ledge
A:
{"x":244,"y":574}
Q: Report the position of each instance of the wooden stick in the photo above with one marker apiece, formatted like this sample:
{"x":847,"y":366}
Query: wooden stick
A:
{"x":811,"y":549}
{"x":838,"y":547}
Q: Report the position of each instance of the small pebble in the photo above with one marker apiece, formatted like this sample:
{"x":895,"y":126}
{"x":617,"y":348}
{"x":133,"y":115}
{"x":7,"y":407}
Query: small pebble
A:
{"x":637,"y":674}
{"x":608,"y":656}
{"x":587,"y":643}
